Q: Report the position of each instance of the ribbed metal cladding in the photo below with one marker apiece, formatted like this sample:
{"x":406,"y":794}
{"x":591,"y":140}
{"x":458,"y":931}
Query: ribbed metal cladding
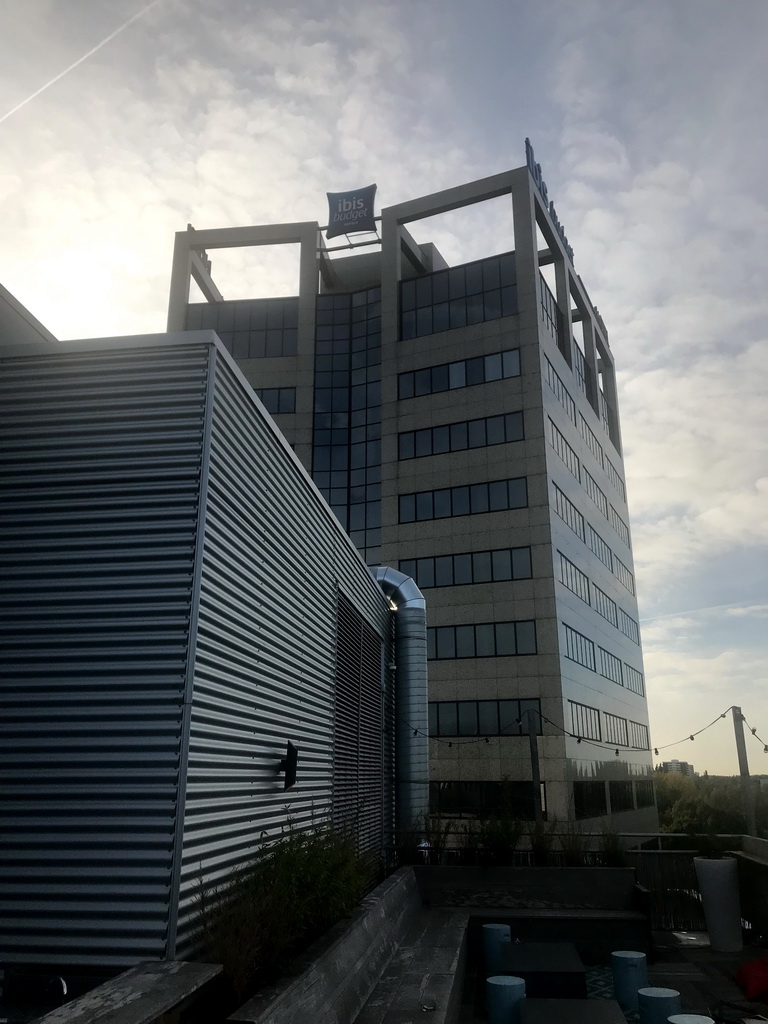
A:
{"x":100,"y":461}
{"x":358,"y":758}
{"x":274,"y":559}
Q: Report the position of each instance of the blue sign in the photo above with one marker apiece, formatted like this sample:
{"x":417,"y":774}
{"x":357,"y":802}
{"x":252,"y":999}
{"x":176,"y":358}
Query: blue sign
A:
{"x":350,"y":211}
{"x":535,"y":170}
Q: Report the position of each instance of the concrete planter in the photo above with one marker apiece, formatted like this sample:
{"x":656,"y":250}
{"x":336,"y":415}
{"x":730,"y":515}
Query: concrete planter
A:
{"x":719,"y":888}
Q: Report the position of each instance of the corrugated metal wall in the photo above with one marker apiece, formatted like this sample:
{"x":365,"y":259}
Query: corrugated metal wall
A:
{"x":100,"y":459}
{"x":168,"y":603}
{"x":265,"y":659}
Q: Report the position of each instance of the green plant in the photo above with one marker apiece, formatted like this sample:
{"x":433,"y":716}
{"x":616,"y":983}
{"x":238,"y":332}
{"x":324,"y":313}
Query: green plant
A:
{"x":541,"y":836}
{"x":500,"y":835}
{"x":300,"y":885}
{"x":611,"y":851}
{"x":437,"y":832}
{"x":573,"y":845}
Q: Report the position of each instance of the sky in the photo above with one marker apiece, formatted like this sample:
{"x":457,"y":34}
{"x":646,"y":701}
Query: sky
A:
{"x":649,"y":120}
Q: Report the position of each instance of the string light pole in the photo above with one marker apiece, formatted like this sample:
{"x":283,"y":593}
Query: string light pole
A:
{"x":531,"y":727}
{"x":747,"y":793}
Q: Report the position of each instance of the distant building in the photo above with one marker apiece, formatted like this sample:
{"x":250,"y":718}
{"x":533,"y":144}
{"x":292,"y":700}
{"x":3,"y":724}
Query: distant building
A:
{"x":679,"y":767}
{"x":462,"y":422}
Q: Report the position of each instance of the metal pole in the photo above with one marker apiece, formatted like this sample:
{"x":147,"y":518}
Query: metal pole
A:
{"x":746,"y":783}
{"x":530,"y":725}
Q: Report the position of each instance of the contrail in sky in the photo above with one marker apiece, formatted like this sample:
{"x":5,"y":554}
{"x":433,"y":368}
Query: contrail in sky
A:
{"x":80,"y":60}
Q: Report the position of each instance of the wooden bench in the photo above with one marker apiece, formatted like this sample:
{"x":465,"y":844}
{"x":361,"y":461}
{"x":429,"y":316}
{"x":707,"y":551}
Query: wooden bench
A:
{"x":141,"y":995}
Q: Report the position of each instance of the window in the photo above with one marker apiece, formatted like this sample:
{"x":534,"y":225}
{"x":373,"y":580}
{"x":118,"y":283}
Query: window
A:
{"x":610,"y":666}
{"x":569,"y":513}
{"x":619,"y":526}
{"x":633,"y":680}
{"x":561,"y":391}
{"x":553,"y":318}
{"x":599,"y":498}
{"x":616,"y":730}
{"x":250,"y":329}
{"x":482,"y":799}
{"x":497,"y":496}
{"x":598,"y":547}
{"x":592,"y":443}
{"x":573,"y":578}
{"x":638,"y":735}
{"x":580,"y":367}
{"x":578,"y":648}
{"x":624,"y":575}
{"x":589,"y":800}
{"x":465,"y":373}
{"x":455,"y":437}
{"x":644,"y":793}
{"x":278,"y":400}
{"x":628,"y":626}
{"x":614,"y":477}
{"x":472,"y":567}
{"x":605,"y":606}
{"x":585,"y":721}
{"x":621,"y":795}
{"x":468,"y":294}
{"x":482,"y":717}
{"x":564,"y":450}
{"x":487,"y":640}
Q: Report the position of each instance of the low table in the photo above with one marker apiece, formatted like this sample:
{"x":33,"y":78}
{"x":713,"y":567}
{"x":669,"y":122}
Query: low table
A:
{"x":549,"y":969}
{"x":571,"y":1011}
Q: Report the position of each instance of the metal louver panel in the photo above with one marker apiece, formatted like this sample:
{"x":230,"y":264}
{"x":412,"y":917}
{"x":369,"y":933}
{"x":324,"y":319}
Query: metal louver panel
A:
{"x":100,"y":459}
{"x":359,"y":807}
{"x":274,"y":556}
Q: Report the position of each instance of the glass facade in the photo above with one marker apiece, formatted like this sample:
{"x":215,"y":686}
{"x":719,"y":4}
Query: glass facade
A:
{"x":346,"y":456}
{"x":250,"y":328}
{"x":468,"y":294}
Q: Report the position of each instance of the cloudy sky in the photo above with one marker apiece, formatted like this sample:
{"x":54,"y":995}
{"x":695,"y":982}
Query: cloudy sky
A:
{"x":649,"y":118}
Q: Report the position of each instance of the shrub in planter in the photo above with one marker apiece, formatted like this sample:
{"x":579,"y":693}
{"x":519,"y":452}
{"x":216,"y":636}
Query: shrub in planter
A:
{"x":541,"y":836}
{"x":498,"y":837}
{"x":301,"y":885}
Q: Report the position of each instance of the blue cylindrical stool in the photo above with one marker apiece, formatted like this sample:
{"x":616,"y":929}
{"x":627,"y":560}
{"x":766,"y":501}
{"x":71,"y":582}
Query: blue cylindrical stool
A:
{"x":503,"y":996}
{"x":630,"y":973}
{"x":493,"y":936}
{"x":689,"y":1018}
{"x":657,"y":1004}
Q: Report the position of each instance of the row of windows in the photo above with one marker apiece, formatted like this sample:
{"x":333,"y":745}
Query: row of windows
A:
{"x":573,"y":578}
{"x":553,"y":318}
{"x":562,"y":393}
{"x":453,"y":798}
{"x":598,"y":547}
{"x":482,"y":717}
{"x":595,"y":493}
{"x":468,"y":294}
{"x":633,"y":680}
{"x":482,"y":799}
{"x":457,"y":437}
{"x":585,"y":723}
{"x":591,"y":440}
{"x":578,"y":583}
{"x":564,"y":450}
{"x":624,"y":575}
{"x":581,"y":649}
{"x":485,"y":640}
{"x":589,"y":798}
{"x":495,"y":496}
{"x":244,"y":315}
{"x":573,"y":518}
{"x":605,"y":606}
{"x":474,"y":567}
{"x":614,"y":477}
{"x":619,"y":526}
{"x":462,"y":374}
{"x":277,"y":400}
{"x":579,"y":367}
{"x":261,"y":344}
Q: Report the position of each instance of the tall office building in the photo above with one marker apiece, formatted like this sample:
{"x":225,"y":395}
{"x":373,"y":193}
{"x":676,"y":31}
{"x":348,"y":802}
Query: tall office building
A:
{"x":462,"y":423}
